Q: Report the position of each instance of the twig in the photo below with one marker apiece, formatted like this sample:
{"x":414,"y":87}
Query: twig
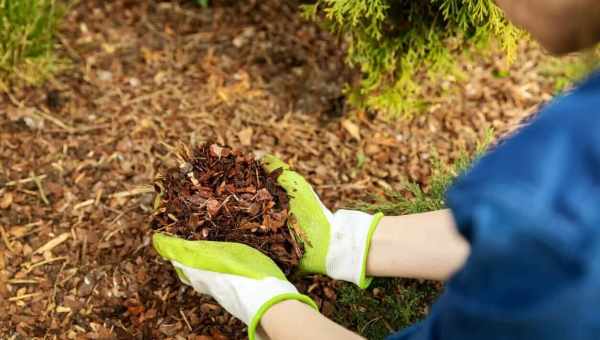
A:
{"x":38,"y":184}
{"x":52,"y":299}
{"x":186,"y":320}
{"x":369,"y":323}
{"x":110,"y":234}
{"x":133,"y":192}
{"x":83,"y":204}
{"x":44,"y":262}
{"x":70,"y":276}
{"x":144,"y":97}
{"x":5,"y":239}
{"x":22,"y":281}
{"x":54,"y":120}
{"x":52,"y":243}
{"x":27,"y":226}
{"x":70,"y":50}
{"x":24,"y":181}
{"x":23,"y":297}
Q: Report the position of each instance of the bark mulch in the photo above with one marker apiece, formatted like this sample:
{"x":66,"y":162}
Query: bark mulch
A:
{"x":77,"y":154}
{"x":220,"y":194}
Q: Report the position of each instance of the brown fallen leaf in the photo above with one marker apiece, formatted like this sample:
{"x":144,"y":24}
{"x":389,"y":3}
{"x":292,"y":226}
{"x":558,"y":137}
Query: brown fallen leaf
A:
{"x":6,"y":200}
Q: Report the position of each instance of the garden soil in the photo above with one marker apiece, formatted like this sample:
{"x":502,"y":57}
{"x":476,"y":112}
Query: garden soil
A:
{"x":79,"y":154}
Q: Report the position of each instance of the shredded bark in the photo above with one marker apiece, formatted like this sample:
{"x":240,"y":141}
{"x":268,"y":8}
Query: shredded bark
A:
{"x":221,"y":194}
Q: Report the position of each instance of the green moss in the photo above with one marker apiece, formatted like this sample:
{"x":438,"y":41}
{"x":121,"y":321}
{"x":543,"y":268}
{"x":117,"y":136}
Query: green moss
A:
{"x":392,"y":41}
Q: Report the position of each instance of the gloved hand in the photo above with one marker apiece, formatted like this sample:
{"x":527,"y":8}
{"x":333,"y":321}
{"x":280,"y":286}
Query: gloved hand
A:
{"x":337,"y":244}
{"x":242,"y":279}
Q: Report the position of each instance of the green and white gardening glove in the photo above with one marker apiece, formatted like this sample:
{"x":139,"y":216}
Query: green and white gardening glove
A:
{"x":337,"y":244}
{"x":242,"y":279}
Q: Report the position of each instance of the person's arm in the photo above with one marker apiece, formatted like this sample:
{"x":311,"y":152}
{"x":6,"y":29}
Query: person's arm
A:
{"x":293,"y":320}
{"x":413,"y":246}
{"x":426,"y":246}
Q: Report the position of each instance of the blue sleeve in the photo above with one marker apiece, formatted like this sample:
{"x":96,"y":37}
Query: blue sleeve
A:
{"x":531,"y":211}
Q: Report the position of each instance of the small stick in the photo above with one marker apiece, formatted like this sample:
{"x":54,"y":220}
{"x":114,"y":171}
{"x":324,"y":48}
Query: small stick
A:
{"x":133,"y":192}
{"x":144,"y":97}
{"x":83,"y":204}
{"x":23,"y":181}
{"x":23,"y":297}
{"x":44,"y":262}
{"x":98,"y":197}
{"x":22,"y":281}
{"x":5,"y":239}
{"x":186,"y":320}
{"x":38,"y":184}
{"x":54,"y":120}
{"x":52,"y":243}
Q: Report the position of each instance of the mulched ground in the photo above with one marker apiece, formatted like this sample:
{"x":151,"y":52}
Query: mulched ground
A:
{"x":77,"y":155}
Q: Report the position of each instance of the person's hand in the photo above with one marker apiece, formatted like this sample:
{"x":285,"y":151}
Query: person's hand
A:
{"x":336,"y":244}
{"x":242,"y":280}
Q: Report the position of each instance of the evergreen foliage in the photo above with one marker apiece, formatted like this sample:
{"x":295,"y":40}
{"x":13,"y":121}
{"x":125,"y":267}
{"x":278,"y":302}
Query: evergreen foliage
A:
{"x":392,"y":40}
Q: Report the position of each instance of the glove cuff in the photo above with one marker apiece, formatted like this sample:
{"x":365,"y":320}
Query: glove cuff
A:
{"x":268,"y":304}
{"x":351,"y":234}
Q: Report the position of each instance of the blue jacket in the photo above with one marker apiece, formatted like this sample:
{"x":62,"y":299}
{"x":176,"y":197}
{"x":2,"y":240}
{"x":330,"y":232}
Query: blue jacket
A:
{"x":531,"y":211}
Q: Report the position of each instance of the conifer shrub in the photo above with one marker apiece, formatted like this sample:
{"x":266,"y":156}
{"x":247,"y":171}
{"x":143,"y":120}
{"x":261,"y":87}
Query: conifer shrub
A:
{"x":390,"y":41}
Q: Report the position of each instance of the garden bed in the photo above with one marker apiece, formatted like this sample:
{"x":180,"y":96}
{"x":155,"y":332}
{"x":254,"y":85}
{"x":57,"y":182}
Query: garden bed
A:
{"x":77,"y":155}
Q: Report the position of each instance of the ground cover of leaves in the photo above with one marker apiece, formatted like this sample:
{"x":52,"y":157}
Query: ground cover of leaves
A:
{"x":77,"y":155}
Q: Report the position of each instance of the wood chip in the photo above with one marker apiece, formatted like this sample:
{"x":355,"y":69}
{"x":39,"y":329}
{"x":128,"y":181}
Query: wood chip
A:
{"x":53,"y":243}
{"x":245,"y":136}
{"x":352,"y":129}
{"x":6,"y":200}
{"x":24,"y":297}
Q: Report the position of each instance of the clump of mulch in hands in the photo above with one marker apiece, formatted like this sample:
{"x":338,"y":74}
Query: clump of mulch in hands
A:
{"x":221,"y":194}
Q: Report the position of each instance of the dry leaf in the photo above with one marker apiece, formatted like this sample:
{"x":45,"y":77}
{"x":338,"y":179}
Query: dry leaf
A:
{"x":245,"y":136}
{"x":352,"y":129}
{"x":6,"y":200}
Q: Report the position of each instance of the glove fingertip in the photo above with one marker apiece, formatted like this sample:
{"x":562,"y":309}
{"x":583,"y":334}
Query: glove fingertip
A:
{"x":271,"y":162}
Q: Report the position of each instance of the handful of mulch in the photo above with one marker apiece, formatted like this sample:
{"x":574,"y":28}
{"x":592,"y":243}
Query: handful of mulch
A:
{"x":220,"y":194}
